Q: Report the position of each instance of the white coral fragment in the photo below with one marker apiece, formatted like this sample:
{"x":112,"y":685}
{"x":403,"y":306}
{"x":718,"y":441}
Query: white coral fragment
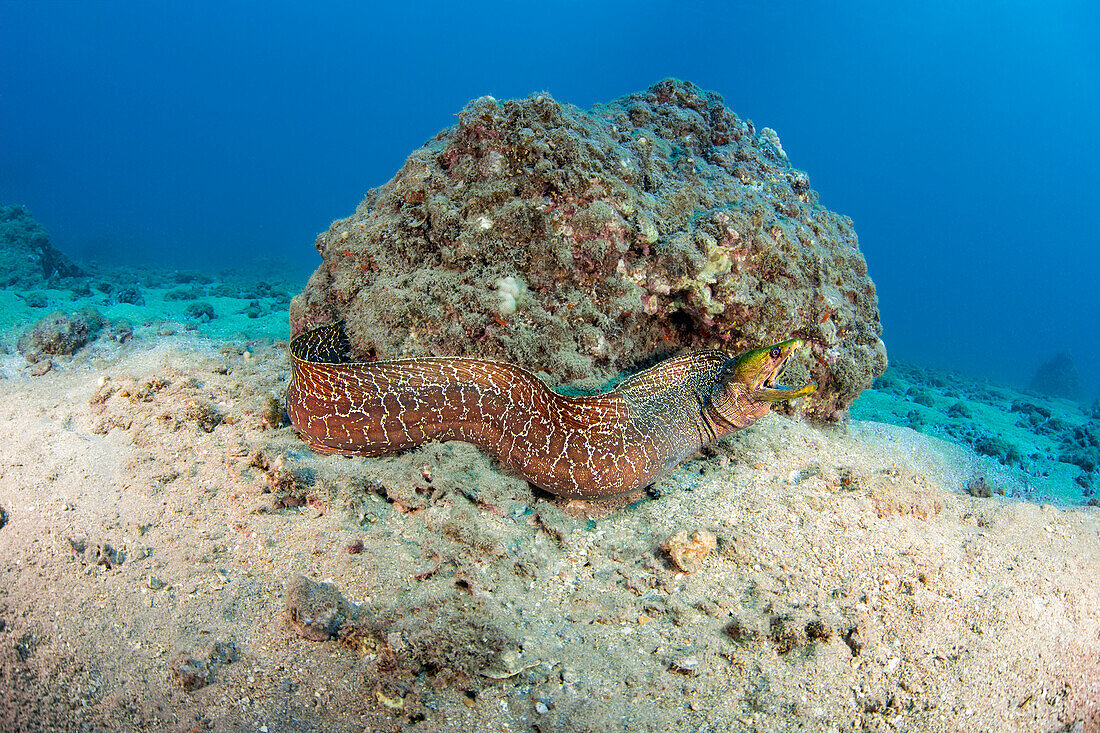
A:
{"x":509,"y":290}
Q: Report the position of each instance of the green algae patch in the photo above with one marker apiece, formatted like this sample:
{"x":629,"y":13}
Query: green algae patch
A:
{"x":1052,"y":444}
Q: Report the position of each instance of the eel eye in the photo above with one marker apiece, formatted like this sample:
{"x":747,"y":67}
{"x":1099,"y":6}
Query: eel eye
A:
{"x":775,"y":352}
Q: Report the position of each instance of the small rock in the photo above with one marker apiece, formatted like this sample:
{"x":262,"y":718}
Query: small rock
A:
{"x":961,"y":410}
{"x":101,"y":553}
{"x":120,"y":331}
{"x":130,"y":294}
{"x":40,"y":367}
{"x":798,"y":476}
{"x":193,"y":672}
{"x":979,"y":487}
{"x":201,"y":311}
{"x":59,"y":334}
{"x":685,"y":665}
{"x":271,"y":412}
{"x":190,"y":673}
{"x":316,"y":611}
{"x":205,"y":413}
{"x":688,"y":554}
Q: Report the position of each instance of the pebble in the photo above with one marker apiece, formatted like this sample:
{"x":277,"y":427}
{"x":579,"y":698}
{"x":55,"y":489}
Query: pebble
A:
{"x":686,"y":554}
{"x":686,"y":665}
{"x":40,"y":367}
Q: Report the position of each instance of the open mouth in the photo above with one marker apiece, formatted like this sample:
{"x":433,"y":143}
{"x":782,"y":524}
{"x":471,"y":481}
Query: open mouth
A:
{"x":769,"y":380}
{"x":768,"y":390}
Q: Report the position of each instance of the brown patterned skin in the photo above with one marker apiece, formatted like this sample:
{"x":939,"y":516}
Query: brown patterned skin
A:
{"x":579,"y":447}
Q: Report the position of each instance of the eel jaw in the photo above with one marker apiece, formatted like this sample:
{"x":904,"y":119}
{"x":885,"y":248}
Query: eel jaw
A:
{"x":758,"y":369}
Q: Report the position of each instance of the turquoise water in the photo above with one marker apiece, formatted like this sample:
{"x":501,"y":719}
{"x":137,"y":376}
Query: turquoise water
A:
{"x":1052,"y":443}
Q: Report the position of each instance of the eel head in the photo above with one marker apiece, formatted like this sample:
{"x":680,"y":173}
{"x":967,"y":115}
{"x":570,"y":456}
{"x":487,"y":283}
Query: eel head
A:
{"x":758,"y":369}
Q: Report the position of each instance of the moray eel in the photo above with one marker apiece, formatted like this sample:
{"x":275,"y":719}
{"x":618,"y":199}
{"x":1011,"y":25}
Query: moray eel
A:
{"x":579,"y":447}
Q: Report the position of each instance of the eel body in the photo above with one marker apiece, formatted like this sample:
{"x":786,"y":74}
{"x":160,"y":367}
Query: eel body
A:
{"x":579,"y":447}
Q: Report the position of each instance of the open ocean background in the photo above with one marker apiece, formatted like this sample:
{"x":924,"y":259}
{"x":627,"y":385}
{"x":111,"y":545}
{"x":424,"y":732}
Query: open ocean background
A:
{"x":960,"y":137}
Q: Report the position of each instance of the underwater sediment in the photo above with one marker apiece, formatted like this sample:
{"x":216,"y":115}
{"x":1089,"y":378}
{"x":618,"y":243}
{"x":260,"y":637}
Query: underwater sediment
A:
{"x":584,"y":244}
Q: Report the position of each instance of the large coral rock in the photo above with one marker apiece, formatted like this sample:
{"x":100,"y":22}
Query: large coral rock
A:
{"x":1058,"y":377}
{"x":585,"y":244}
{"x":27,"y":259}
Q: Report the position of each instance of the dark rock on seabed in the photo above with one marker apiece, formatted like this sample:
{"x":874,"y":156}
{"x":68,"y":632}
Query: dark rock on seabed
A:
{"x":27,"y":259}
{"x":59,"y":334}
{"x":1058,"y":377}
{"x":587,"y":244}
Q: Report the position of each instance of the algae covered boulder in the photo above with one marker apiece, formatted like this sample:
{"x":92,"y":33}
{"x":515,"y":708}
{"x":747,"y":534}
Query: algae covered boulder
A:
{"x":582,"y":245}
{"x":1058,"y":377}
{"x":59,"y":334}
{"x":27,"y":259}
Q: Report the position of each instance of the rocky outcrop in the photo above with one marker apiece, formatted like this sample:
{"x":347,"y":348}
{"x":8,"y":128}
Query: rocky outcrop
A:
{"x":587,"y":244}
{"x":27,"y":259}
{"x":1058,"y":377}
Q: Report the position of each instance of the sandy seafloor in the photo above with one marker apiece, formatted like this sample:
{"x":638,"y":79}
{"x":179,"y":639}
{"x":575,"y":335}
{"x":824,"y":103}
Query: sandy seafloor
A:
{"x":153,"y":523}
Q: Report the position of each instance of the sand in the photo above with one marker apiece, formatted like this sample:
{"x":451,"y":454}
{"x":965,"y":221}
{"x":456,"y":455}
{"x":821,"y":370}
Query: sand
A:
{"x":153,"y":522}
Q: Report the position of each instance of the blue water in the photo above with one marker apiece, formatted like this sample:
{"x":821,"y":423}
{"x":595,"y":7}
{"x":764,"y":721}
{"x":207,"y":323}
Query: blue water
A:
{"x":960,"y":137}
